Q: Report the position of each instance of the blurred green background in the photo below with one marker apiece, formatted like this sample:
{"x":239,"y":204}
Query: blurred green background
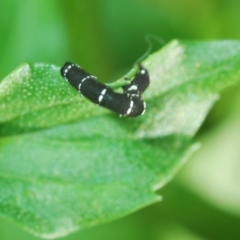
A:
{"x":106,"y":37}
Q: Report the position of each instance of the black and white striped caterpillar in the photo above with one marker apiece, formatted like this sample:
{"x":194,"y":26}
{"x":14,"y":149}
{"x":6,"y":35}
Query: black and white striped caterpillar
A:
{"x":127,"y":104}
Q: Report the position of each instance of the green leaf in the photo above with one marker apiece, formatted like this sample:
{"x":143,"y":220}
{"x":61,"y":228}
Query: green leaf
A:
{"x":66,"y":164}
{"x":36,"y":96}
{"x":218,"y":163}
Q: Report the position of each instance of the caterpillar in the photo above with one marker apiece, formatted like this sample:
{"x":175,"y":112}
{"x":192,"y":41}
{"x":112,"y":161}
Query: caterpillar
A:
{"x":126,"y":104}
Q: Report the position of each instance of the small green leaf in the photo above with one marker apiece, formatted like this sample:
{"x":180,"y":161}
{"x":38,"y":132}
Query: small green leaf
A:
{"x":66,"y":164}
